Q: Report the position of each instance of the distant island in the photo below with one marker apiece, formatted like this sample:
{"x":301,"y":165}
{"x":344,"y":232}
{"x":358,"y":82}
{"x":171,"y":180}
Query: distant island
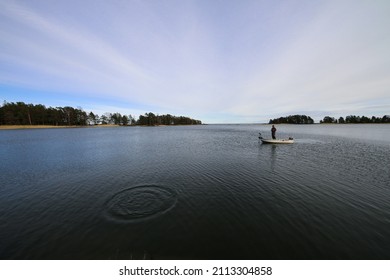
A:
{"x":20,"y":113}
{"x":357,"y":119}
{"x":294,"y":119}
{"x":303,"y":119}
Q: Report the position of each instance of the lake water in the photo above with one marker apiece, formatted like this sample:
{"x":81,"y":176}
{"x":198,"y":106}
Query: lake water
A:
{"x":195,"y":192}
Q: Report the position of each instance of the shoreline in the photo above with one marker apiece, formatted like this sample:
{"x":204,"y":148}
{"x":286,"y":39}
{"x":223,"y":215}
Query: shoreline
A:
{"x":14,"y":127}
{"x":21,"y":127}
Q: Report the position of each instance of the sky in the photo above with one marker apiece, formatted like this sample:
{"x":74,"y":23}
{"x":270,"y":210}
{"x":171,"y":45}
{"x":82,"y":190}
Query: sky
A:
{"x":218,"y":61}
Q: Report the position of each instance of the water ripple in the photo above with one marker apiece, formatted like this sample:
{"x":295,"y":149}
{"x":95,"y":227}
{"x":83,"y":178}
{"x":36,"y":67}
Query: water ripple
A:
{"x":141,"y":202}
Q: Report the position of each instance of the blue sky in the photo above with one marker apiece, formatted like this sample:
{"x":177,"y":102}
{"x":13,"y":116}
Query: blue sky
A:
{"x":218,"y":61}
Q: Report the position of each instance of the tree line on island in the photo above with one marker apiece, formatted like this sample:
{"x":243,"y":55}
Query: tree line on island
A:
{"x":357,"y":119}
{"x":303,"y":119}
{"x":20,"y":113}
{"x":294,"y":119}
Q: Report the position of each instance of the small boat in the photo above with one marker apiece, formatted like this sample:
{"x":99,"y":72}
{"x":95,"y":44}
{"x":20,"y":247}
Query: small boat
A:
{"x":290,"y":140}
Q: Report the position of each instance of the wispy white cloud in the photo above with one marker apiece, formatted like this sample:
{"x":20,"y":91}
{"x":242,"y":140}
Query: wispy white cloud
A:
{"x":334,"y":61}
{"x":248,"y":60}
{"x":66,"y":54}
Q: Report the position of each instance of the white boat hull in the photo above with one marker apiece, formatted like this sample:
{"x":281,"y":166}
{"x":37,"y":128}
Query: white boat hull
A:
{"x":289,"y":140}
{"x":277,"y":141}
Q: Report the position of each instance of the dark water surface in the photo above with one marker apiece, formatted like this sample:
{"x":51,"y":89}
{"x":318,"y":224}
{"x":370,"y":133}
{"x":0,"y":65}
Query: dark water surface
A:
{"x":195,"y":192}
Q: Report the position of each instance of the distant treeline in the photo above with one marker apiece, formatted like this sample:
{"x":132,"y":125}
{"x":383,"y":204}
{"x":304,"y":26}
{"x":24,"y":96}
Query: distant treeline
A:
{"x":20,"y":113}
{"x":302,"y":119}
{"x":295,"y":119}
{"x":357,"y":119}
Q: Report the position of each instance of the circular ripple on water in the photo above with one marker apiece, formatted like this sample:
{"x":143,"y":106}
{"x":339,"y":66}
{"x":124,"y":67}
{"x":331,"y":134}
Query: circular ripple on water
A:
{"x":141,"y":202}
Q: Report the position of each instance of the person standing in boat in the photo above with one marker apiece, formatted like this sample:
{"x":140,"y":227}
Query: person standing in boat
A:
{"x":273,"y":130}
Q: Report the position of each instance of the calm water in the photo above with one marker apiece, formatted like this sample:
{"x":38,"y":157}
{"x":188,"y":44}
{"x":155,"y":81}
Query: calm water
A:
{"x":197,"y":192}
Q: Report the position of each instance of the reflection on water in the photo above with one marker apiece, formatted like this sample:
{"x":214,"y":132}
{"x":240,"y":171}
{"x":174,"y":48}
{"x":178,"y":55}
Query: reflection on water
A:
{"x":197,"y":192}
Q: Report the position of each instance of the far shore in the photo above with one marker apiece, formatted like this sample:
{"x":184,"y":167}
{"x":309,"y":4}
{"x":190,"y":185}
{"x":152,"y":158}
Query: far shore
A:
{"x":14,"y":127}
{"x":51,"y":126}
{"x":9,"y":127}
